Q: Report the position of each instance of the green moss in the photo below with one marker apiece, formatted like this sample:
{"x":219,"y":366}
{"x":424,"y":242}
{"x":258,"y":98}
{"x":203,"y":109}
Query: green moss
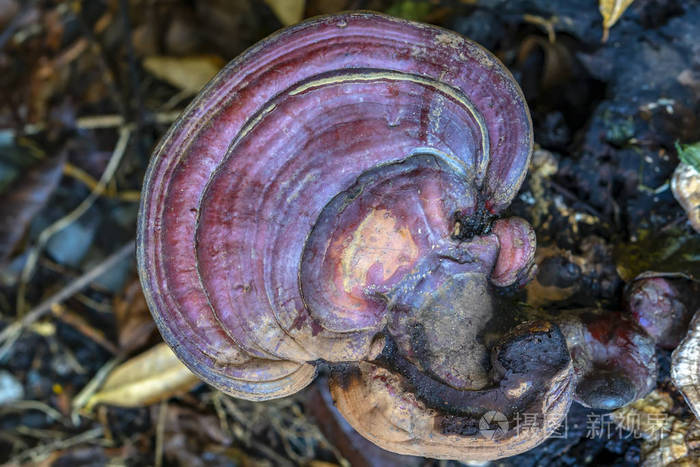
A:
{"x":618,"y":129}
{"x":410,"y":10}
{"x":671,"y":250}
{"x":690,"y":154}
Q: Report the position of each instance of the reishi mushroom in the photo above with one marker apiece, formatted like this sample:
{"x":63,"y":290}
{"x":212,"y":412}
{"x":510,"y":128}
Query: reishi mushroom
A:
{"x":333,"y":196}
{"x":614,"y":359}
{"x":663,"y":305}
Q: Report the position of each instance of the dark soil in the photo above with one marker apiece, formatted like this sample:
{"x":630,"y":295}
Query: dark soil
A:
{"x":609,"y":113}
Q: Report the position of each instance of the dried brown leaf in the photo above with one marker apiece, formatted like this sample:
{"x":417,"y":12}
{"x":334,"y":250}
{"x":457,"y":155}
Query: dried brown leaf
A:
{"x":82,"y":325}
{"x":24,"y":198}
{"x":326,"y":7}
{"x":8,"y":9}
{"x":189,"y":74}
{"x":53,"y":23}
{"x":151,"y":377}
{"x":134,"y":322}
{"x":611,"y":10}
{"x":205,"y":427}
{"x":186,"y":435}
{"x":558,"y":63}
{"x":287,"y":11}
{"x":216,"y":19}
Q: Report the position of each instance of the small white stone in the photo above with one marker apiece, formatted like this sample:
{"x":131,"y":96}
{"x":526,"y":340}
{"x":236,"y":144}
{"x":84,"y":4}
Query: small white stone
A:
{"x":10,"y":389}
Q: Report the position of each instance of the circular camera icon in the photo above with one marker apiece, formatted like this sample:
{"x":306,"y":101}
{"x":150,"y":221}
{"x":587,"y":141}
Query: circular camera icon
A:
{"x":493,"y":424}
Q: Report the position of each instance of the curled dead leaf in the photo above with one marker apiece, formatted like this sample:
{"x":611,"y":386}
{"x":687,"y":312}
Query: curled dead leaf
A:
{"x":558,"y":63}
{"x":287,"y":11}
{"x":134,"y":322}
{"x":611,"y":10}
{"x":326,"y":7}
{"x":150,"y":377}
{"x":24,"y":198}
{"x":188,"y":74}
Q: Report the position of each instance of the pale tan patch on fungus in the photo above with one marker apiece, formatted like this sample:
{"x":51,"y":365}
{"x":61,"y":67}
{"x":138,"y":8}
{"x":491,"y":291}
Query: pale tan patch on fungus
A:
{"x":374,"y":401}
{"x":518,"y":243}
{"x":377,"y":241}
{"x":539,"y":294}
{"x":450,"y":39}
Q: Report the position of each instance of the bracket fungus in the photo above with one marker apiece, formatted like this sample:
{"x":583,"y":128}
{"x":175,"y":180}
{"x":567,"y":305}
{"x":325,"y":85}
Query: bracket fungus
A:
{"x":333,"y":196}
{"x":614,"y":359}
{"x":663,"y":305}
{"x":667,"y":305}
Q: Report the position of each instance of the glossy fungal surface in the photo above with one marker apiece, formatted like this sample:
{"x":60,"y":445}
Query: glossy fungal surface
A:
{"x":614,"y":359}
{"x":333,"y":194}
{"x":663,"y":306}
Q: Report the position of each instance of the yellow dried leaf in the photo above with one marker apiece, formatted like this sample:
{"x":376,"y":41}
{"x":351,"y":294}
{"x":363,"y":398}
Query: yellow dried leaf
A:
{"x":287,"y":11}
{"x":189,"y":74}
{"x":148,"y":378}
{"x":611,"y":11}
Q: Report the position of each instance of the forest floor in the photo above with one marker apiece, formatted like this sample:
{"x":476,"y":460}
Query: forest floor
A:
{"x":87,"y":88}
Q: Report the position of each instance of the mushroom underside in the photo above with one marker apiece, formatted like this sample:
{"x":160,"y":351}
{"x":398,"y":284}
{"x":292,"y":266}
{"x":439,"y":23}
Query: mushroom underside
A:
{"x":401,"y":407}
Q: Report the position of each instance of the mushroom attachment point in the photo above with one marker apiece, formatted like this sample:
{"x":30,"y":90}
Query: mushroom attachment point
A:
{"x":399,"y":404}
{"x":614,"y":359}
{"x":336,"y":194}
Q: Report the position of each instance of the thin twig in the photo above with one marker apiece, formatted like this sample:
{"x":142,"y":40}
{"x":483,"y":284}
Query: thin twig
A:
{"x":87,"y":180}
{"x":38,"y":433}
{"x":270,"y":454}
{"x":220,"y":411}
{"x":544,"y":23}
{"x":95,"y":383}
{"x":160,"y":433}
{"x":102,"y":63}
{"x":15,"y":22}
{"x":11,"y":332}
{"x":40,"y":452}
{"x":572,"y":197}
{"x":19,"y":406}
{"x":133,"y":65}
{"x":78,"y":322}
{"x":95,"y":122}
{"x":71,"y":217}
